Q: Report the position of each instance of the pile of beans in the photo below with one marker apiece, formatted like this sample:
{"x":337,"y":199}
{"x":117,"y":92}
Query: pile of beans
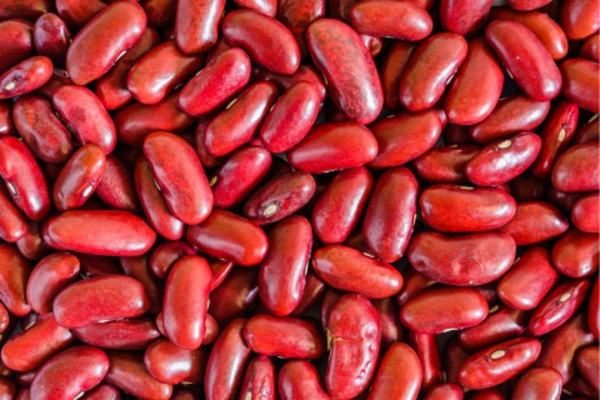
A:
{"x":299,"y":199}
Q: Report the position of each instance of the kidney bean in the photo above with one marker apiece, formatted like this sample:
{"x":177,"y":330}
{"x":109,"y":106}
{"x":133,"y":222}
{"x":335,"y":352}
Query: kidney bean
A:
{"x":107,"y":232}
{"x":479,"y":73}
{"x":171,"y":364}
{"x":127,"y":372}
{"x":453,"y":358}
{"x":183,"y":184}
{"x":581,"y":83}
{"x":524,"y":5}
{"x":577,"y":386}
{"x":197,"y":25}
{"x":299,"y":380}
{"x":51,"y":37}
{"x":116,"y":188}
{"x":138,"y":268}
{"x":576,"y":170}
{"x":125,"y":21}
{"x":97,"y":265}
{"x":305,"y":73}
{"x":31,"y":245}
{"x":7,"y":389}
{"x":579,"y":19}
{"x":354,"y":86}
{"x":16,"y":42}
{"x":259,"y":380}
{"x":427,"y":349}
{"x":166,"y":254}
{"x":25,"y":77}
{"x":76,"y":14}
{"x":575,"y":254}
{"x":584,"y":214}
{"x":464,"y":17}
{"x":129,"y":334}
{"x":13,"y":224}
{"x":399,"y":20}
{"x":14,"y":274}
{"x":445,"y":164}
{"x":391,"y":70}
{"x":587,"y":365}
{"x":353,"y":333}
{"x":535,"y":222}
{"x":449,"y":391}
{"x":237,"y":124}
{"x":591,"y":48}
{"x":102,"y":392}
{"x":69,"y":373}
{"x":298,"y":15}
{"x":462,"y":260}
{"x":414,"y":282}
{"x":226,"y":364}
{"x":391,"y":328}
{"x":430,"y":67}
{"x":593,"y":315}
{"x":398,"y":375}
{"x":537,"y":383}
{"x":235,"y":296}
{"x":7,"y":126}
{"x":561,"y":346}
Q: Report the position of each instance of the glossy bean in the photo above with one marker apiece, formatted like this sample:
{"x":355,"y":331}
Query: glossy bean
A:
{"x":77,"y":14}
{"x":13,"y":225}
{"x":538,"y":383}
{"x":25,"y":77}
{"x":464,"y":17}
{"x":259,"y":380}
{"x":587,"y":365}
{"x":235,"y":296}
{"x":398,"y":20}
{"x":576,"y":170}
{"x":445,"y":164}
{"x":591,"y":48}
{"x":581,"y":83}
{"x":427,"y":349}
{"x":575,"y":254}
{"x":127,"y":334}
{"x":16,"y":42}
{"x":502,"y":323}
{"x":535,"y":222}
{"x":299,"y":380}
{"x":584,"y":214}
{"x":166,"y":254}
{"x":171,"y":364}
{"x":48,"y":278}
{"x":579,"y":19}
{"x":197,"y":25}
{"x":398,"y":375}
{"x":14,"y":274}
{"x":51,"y":37}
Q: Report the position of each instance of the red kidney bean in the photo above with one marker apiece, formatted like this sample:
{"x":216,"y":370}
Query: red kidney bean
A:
{"x":7,"y":126}
{"x":575,"y":254}
{"x":16,"y":42}
{"x":510,"y":116}
{"x":235,"y":296}
{"x":350,"y":270}
{"x":560,"y":304}
{"x":76,"y":14}
{"x":85,"y":116}
{"x":576,"y":170}
{"x":28,"y":9}
{"x":212,"y":330}
{"x":280,"y":197}
{"x":229,"y":236}
{"x":390,"y":215}
{"x":305,"y":73}
{"x":31,"y":245}
{"x":51,"y":37}
{"x":157,"y":72}
{"x":282,"y":274}
{"x":183,"y":184}
{"x":237,"y":124}
{"x":391,"y":328}
{"x":591,"y":48}
{"x":295,"y":338}
{"x":104,"y":298}
{"x":440,"y":309}
{"x":587,"y":365}
{"x":577,"y":386}
{"x":499,"y":363}
{"x":107,"y":232}
{"x":580,"y":19}
{"x":69,"y":373}
{"x":399,"y":374}
{"x":299,"y":380}
{"x":129,"y":334}
{"x":525,"y":56}
{"x":354,"y":85}
{"x":334,"y":146}
{"x":123,"y":21}
{"x":97,"y":265}
{"x":414,"y":282}
{"x":537,"y":383}
{"x":29,"y":349}
{"x":13,"y":224}
{"x":259,"y":380}
{"x":456,"y":209}
{"x":48,"y":278}
{"x":183,"y":315}
{"x":399,"y":20}
{"x":171,"y":364}
{"x":298,"y":15}
{"x":501,"y":161}
{"x":313,"y":292}
{"x":391,"y":70}
{"x":453,"y":358}
{"x":445,"y":164}
{"x":447,"y":391}
{"x":524,"y":5}
{"x":79,"y":177}
{"x":267,"y":41}
{"x":462,"y":260}
{"x":584,"y":214}
{"x":561,"y":346}
{"x":197,"y":25}
{"x":464,"y":17}
{"x":7,"y":389}
{"x":593,"y":315}
{"x":166,"y":254}
{"x":138,"y":268}
{"x":338,"y":209}
{"x":227,"y":362}
{"x":116,"y":188}
{"x":479,"y":73}
{"x":404,"y":137}
{"x":535,"y":222}
{"x":431,"y":65}
{"x":25,"y":77}
{"x":581,"y":83}
{"x":216,"y":84}
{"x":14,"y":274}
{"x":428,"y":351}
{"x":353,"y":333}
{"x":266,"y":7}
{"x":206,"y":159}
{"x":529,"y":280}
{"x":127,"y":372}
{"x":102,"y":392}
{"x":41,"y":130}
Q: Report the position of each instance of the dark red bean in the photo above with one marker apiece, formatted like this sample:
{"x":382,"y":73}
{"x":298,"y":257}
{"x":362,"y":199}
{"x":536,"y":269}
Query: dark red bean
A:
{"x":235,"y":296}
{"x":16,"y":42}
{"x":581,"y":83}
{"x":128,"y":334}
{"x":428,"y":351}
{"x":398,"y":20}
{"x":538,"y":383}
{"x":171,"y":364}
{"x":577,"y":170}
{"x":25,"y":77}
{"x":259,"y":380}
{"x":575,"y":254}
{"x":197,"y":25}
{"x":398,"y":375}
{"x":535,"y":222}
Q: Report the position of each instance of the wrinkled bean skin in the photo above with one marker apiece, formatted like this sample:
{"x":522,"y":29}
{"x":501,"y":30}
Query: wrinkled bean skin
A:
{"x":24,"y":179}
{"x":353,"y":332}
{"x":14,"y":274}
{"x":462,"y":260}
{"x":399,"y":20}
{"x":285,"y":337}
{"x":299,"y":380}
{"x":171,"y":364}
{"x":184,"y":315}
{"x":16,"y":43}
{"x":127,"y":334}
{"x":456,"y":209}
{"x":350,"y":270}
{"x":115,"y":29}
{"x":581,"y":83}
{"x":580,"y":19}
{"x":575,"y":254}
{"x":353,"y":85}
{"x":576,"y":170}
{"x":259,"y":381}
{"x":227,"y":362}
{"x":525,"y":56}
{"x":535,"y":222}
{"x":587,"y":365}
{"x":267,"y":41}
{"x":197,"y":25}
{"x":25,"y":77}
{"x":390,"y":216}
{"x":48,"y":278}
{"x":497,"y":364}
{"x":338,"y":209}
{"x":112,"y":233}
{"x":398,"y":376}
{"x":440,"y":309}
{"x":109,"y":297}
{"x":538,"y":383}
{"x":282,"y":274}
{"x":69,"y":373}
{"x":526,"y":284}
{"x":479,"y":73}
{"x":430,"y":67}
